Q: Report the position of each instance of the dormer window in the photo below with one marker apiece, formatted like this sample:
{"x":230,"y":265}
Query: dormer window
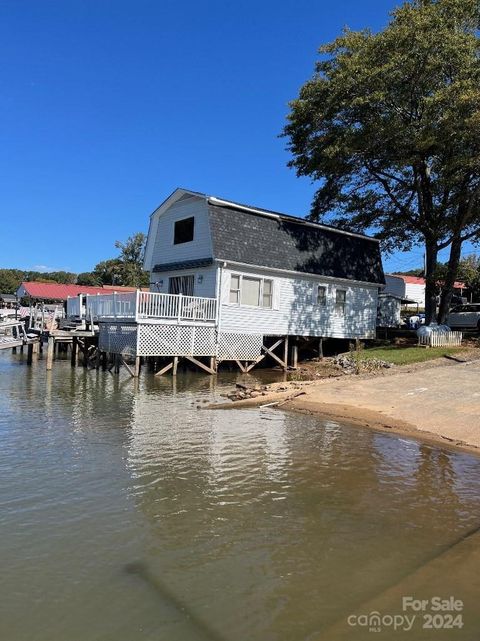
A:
{"x":183,"y":230}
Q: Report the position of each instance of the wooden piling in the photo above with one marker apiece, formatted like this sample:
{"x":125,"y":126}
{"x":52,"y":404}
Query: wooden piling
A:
{"x":295,"y":355}
{"x":73,"y":357}
{"x":30,"y":353}
{"x":50,"y":351}
{"x":175,"y":365}
{"x":136,"y":369}
{"x":285,"y":353}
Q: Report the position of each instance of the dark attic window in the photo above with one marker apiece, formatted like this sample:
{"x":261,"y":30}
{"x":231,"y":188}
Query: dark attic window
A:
{"x":183,"y":232}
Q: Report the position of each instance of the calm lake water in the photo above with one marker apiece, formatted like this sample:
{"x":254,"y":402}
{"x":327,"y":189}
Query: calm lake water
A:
{"x":127,"y":514}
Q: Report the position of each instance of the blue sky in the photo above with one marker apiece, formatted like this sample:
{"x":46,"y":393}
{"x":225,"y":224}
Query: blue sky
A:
{"x":108,"y":105}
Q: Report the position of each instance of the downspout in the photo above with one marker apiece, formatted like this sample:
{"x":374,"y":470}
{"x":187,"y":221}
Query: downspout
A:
{"x":219,"y":297}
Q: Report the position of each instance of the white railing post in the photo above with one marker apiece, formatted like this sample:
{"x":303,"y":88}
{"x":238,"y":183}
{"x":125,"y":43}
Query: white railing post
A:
{"x":180,"y":305}
{"x":114,"y":303}
{"x":137,"y":304}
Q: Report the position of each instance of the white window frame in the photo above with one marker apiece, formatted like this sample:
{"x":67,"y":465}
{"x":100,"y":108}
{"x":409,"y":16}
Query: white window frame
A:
{"x":323,"y":301}
{"x":239,"y":291}
{"x":340,"y":307}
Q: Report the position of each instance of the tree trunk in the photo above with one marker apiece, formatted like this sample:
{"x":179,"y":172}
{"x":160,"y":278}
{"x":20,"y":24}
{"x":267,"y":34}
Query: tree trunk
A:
{"x":450,"y":278}
{"x":431,"y":286}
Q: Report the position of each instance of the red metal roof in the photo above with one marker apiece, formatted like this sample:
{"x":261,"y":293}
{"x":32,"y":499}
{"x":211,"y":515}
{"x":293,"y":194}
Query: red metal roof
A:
{"x":56,"y":291}
{"x":418,"y":280}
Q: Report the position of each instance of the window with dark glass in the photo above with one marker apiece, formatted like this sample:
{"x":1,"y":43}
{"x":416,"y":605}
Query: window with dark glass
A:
{"x":183,"y":231}
{"x":321,"y":295}
{"x":181,"y":285}
{"x":340,"y":301}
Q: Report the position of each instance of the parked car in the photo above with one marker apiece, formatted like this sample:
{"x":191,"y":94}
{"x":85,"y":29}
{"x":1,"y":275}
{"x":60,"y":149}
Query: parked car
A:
{"x":465,"y":316}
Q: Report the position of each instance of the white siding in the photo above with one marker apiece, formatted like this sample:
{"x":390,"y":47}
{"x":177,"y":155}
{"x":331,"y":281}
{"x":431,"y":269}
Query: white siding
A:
{"x":394,"y":285}
{"x":297,"y":314}
{"x":389,"y":311}
{"x":415,"y":292}
{"x":164,"y":251}
{"x":205,"y":288}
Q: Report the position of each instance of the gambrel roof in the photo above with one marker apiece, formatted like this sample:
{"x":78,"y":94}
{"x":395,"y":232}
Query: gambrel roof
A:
{"x":263,"y":238}
{"x":293,"y":244}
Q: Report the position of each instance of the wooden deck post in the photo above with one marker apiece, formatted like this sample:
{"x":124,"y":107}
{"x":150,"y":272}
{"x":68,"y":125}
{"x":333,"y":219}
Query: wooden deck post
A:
{"x":295,"y":355}
{"x":136,"y":369}
{"x":73,"y":356}
{"x":285,"y":353}
{"x":175,"y":365}
{"x":320,"y":348}
{"x":50,"y":351}
{"x":29,"y":353}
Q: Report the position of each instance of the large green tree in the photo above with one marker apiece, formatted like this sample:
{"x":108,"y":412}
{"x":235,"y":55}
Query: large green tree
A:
{"x":389,"y":126}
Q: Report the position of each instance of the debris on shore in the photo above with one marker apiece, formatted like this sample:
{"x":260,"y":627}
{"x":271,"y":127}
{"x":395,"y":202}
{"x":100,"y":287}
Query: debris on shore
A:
{"x":350,"y":364}
{"x":243,"y":392}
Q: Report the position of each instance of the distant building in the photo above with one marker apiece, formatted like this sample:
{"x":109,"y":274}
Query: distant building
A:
{"x":413,"y":288}
{"x":56,"y":292}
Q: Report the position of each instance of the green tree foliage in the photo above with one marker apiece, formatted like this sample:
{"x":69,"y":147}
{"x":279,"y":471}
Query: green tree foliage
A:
{"x":88,"y":278}
{"x":132,"y":252}
{"x":108,"y":272}
{"x":469,"y":272}
{"x":10,"y":280}
{"x":126,"y":269}
{"x":390,"y":127}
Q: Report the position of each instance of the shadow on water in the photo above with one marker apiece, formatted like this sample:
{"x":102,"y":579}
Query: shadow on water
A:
{"x":201,"y":627}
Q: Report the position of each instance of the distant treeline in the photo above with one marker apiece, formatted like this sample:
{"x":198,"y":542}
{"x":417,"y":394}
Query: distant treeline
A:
{"x":125,"y":269}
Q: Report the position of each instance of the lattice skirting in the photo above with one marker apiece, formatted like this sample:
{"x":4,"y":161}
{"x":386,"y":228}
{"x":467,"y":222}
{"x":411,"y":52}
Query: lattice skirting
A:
{"x":241,"y":347}
{"x":130,"y":339}
{"x":118,"y":338}
{"x":176,"y":340}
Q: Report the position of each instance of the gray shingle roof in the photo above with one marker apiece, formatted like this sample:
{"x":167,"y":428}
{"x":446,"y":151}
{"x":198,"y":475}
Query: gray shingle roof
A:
{"x":183,"y":264}
{"x":283,"y":242}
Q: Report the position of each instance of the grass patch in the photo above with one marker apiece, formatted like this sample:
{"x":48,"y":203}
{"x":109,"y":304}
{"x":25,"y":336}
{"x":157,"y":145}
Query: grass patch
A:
{"x":405,"y":355}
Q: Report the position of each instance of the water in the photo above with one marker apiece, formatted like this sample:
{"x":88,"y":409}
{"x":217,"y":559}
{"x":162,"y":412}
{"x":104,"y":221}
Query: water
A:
{"x":127,"y":514}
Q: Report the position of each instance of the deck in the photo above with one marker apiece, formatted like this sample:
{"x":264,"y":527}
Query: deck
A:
{"x":151,"y":324}
{"x":145,"y":307}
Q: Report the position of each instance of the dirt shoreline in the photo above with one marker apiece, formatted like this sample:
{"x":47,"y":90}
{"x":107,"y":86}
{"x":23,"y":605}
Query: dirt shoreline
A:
{"x":438,"y":403}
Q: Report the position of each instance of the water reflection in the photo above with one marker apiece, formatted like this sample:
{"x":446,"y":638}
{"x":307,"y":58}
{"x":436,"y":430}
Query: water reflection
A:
{"x":255,"y":524}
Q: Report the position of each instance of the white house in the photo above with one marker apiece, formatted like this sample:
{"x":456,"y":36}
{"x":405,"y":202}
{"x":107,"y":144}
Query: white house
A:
{"x":408,"y":287}
{"x":412,"y":288}
{"x":225,"y":276}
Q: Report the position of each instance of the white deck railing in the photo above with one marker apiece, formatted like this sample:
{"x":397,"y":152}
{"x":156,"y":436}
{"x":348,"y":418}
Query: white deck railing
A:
{"x":114,"y":305}
{"x":154,"y":305}
{"x":74,"y":306}
{"x":145,"y":306}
